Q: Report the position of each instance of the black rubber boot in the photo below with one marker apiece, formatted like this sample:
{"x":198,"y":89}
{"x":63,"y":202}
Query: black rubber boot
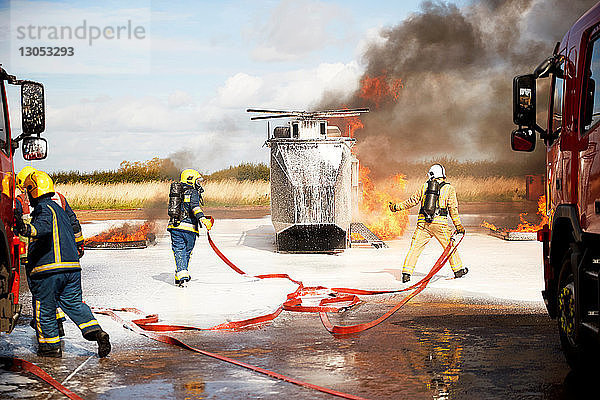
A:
{"x":103,"y":341}
{"x":405,"y":277}
{"x":461,"y":272}
{"x":46,"y":351}
{"x":103,"y":344}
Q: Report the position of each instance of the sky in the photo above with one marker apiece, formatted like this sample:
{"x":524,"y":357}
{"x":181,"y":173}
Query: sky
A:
{"x":185,"y":83}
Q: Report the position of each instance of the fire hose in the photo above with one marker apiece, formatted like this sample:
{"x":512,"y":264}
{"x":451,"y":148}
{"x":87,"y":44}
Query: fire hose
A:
{"x":148,"y":325}
{"x":17,"y":364}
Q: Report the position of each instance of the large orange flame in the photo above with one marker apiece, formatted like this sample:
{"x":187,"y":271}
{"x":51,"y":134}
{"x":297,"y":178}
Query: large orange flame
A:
{"x":380,"y":89}
{"x":125,"y":233}
{"x":525,"y":226}
{"x":374,"y":210}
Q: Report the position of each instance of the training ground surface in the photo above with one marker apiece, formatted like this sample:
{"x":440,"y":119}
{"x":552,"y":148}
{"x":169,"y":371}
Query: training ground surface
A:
{"x":483,"y":336}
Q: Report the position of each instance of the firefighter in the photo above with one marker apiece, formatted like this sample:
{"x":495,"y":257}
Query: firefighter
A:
{"x":53,"y":270}
{"x":184,"y":229}
{"x":23,"y":210}
{"x":437,"y":199}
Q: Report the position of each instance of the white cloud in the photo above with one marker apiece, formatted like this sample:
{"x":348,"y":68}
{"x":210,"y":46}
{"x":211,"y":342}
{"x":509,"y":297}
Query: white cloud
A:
{"x":179,"y":98}
{"x":239,"y":90}
{"x":102,"y":131}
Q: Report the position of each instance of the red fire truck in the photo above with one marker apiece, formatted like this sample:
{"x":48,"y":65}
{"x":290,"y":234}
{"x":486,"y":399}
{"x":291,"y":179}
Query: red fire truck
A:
{"x":33,"y":148}
{"x":571,"y":241}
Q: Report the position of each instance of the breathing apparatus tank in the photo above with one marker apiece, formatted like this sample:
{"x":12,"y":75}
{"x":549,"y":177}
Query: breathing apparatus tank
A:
{"x":430,"y":206}
{"x":175,"y":200}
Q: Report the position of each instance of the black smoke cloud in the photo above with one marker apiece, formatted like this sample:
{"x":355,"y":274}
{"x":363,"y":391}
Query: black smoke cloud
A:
{"x":456,"y":66}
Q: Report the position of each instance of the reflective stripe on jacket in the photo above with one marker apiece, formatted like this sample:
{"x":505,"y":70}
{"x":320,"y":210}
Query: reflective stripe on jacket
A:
{"x":53,"y":248}
{"x":23,"y":206}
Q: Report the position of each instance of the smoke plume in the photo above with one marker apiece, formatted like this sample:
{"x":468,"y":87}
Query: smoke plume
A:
{"x":440,"y":83}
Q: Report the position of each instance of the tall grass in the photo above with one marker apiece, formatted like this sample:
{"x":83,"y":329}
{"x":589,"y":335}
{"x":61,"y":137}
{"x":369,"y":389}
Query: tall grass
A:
{"x":158,"y":169}
{"x":88,"y":196}
{"x":470,"y":188}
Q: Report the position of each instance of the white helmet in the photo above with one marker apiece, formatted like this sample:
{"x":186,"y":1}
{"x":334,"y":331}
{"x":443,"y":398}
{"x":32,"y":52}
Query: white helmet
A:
{"x":437,"y":171}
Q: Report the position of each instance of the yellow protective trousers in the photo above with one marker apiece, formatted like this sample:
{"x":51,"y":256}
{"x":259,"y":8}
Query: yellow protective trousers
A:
{"x":423,"y":234}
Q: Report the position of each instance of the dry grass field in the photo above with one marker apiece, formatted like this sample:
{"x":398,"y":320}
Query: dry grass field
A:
{"x":481,"y":189}
{"x":85,"y":196}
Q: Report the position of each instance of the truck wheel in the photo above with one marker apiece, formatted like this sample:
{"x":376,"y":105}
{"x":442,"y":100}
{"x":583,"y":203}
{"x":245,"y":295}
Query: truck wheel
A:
{"x":577,"y":348}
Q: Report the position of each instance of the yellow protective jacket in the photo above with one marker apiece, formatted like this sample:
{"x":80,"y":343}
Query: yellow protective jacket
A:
{"x":446,"y":200}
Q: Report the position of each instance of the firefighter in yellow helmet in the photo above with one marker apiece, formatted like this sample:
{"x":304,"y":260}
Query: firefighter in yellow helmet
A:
{"x":53,"y":270}
{"x":185,"y":217}
{"x":438,"y":200}
{"x":23,"y":210}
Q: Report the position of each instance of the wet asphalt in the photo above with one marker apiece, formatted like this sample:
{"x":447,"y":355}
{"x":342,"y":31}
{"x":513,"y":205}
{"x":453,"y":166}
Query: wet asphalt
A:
{"x":434,"y":348}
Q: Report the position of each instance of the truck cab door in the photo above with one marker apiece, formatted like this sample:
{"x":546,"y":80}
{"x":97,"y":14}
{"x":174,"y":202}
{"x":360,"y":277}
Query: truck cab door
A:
{"x":6,"y":166}
{"x":589,"y":160}
{"x":555,"y":158}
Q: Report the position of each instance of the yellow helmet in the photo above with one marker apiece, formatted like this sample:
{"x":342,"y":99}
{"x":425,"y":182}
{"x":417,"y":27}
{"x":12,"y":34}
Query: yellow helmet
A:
{"x":38,"y":184}
{"x":23,"y":174}
{"x":190,"y":176}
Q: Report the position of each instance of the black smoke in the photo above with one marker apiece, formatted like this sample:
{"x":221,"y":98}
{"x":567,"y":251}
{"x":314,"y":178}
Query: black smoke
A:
{"x":456,"y":66}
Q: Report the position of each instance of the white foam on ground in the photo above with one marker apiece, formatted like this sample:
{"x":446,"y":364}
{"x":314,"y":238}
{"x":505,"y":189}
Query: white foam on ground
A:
{"x":144,"y":278}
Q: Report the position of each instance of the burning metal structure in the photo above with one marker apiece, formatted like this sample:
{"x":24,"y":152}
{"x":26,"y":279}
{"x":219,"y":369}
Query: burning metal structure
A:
{"x":311,"y":180}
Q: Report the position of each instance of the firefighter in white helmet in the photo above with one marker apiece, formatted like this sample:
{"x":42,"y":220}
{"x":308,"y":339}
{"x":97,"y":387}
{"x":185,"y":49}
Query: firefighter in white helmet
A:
{"x":184,"y":227}
{"x":437,"y":199}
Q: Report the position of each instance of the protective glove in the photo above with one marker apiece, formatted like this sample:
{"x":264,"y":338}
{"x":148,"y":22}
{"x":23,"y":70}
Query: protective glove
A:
{"x":394,"y":207}
{"x":460,"y":229}
{"x":207,"y":223}
{"x":80,"y":250}
{"x":19,"y":226}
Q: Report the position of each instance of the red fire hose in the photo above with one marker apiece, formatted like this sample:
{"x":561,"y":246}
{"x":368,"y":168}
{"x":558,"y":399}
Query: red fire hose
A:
{"x":147,"y":325}
{"x":16,"y":364}
{"x":294,"y":301}
{"x":141,"y":326}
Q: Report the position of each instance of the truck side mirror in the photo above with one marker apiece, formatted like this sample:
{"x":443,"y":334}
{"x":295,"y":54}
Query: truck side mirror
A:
{"x":522,"y":139}
{"x":524,"y":100}
{"x":32,"y":108}
{"x":34,"y":148}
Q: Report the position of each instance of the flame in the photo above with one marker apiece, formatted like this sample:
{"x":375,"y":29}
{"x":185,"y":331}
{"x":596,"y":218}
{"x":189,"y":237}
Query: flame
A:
{"x":125,"y":233}
{"x":356,"y":237}
{"x":493,"y":227}
{"x":347,"y":125}
{"x":526,"y":226}
{"x":380,"y":88}
{"x":374,"y":210}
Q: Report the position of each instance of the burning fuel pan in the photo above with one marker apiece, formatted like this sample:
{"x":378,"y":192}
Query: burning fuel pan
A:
{"x":514,"y":236}
{"x":125,"y":245}
{"x":361,"y":236}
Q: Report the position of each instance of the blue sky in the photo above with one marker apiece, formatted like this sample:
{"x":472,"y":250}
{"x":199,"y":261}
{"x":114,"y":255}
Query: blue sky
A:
{"x":186,"y":85}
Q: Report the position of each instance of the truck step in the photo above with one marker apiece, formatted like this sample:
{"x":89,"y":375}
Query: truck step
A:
{"x":593,"y":326}
{"x":591,"y":274}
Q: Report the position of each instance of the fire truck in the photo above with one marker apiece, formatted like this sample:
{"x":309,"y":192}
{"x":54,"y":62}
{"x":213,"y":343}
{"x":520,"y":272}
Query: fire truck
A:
{"x":33,"y":147}
{"x":571,"y":240}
